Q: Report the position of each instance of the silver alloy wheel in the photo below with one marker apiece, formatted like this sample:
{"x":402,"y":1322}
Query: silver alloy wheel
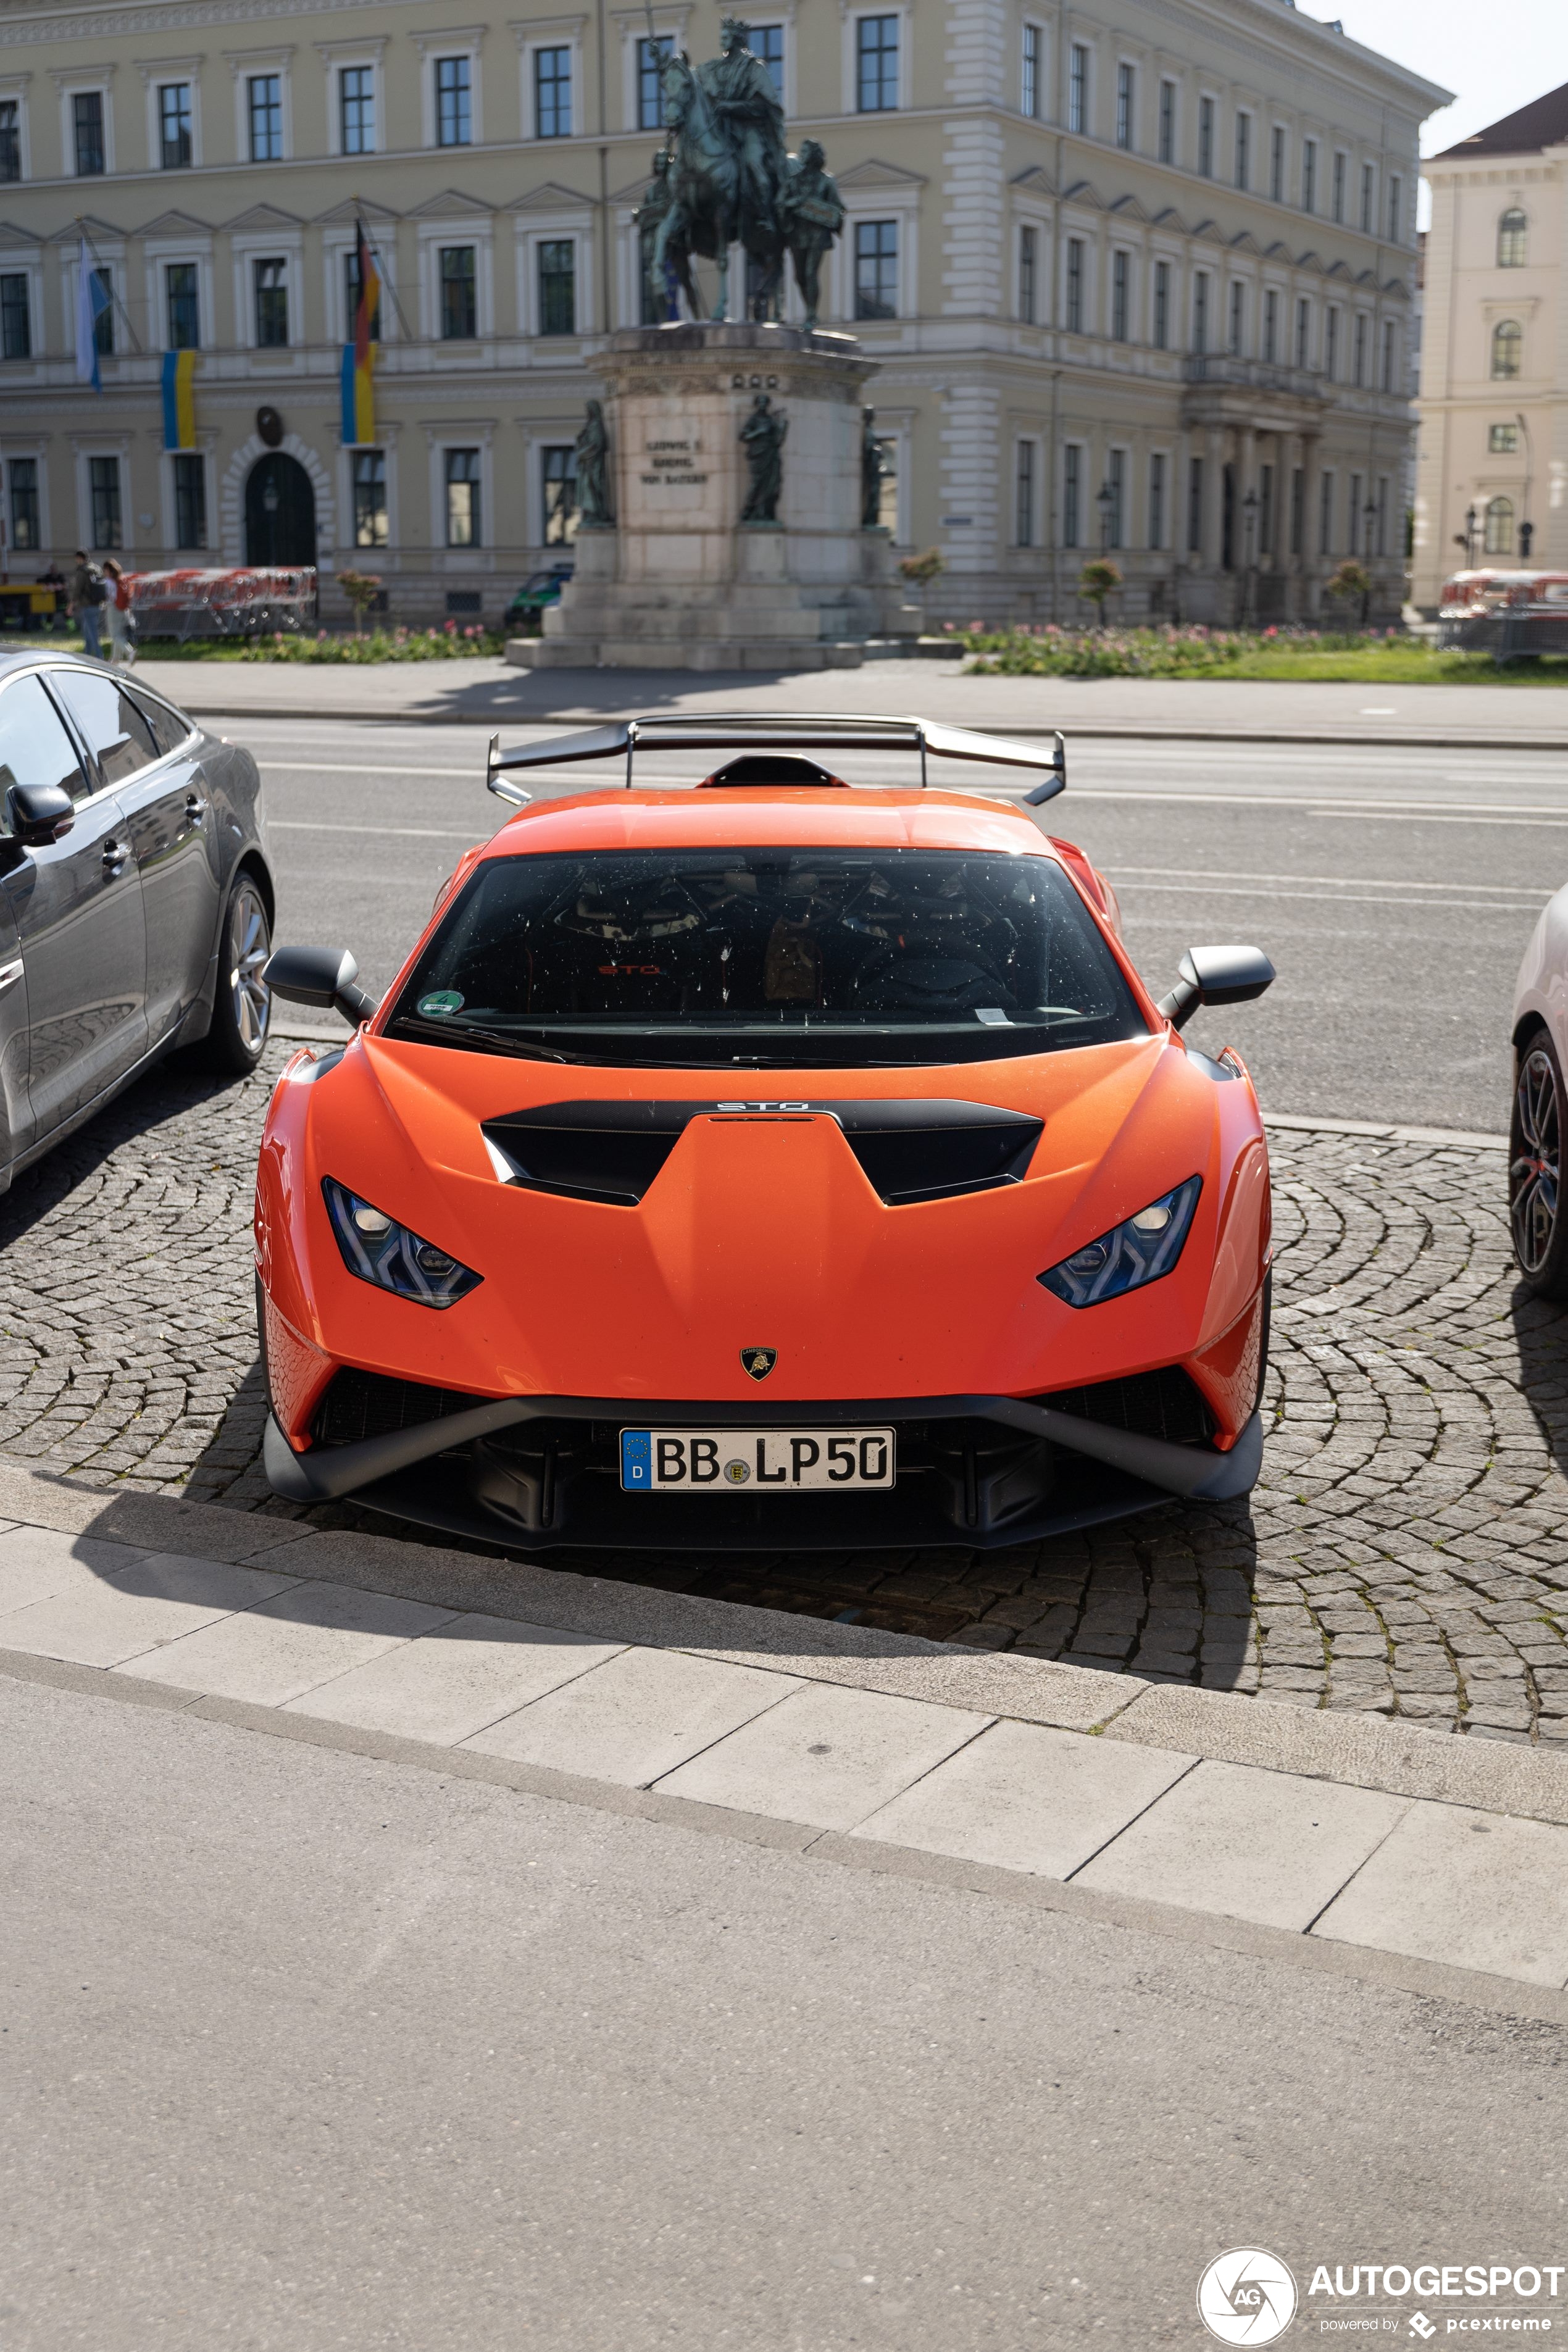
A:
{"x":1535,"y":1169}
{"x":249,"y":945}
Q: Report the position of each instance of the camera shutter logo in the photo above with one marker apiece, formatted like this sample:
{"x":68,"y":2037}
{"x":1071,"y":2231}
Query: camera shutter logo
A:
{"x":1246,"y":2297}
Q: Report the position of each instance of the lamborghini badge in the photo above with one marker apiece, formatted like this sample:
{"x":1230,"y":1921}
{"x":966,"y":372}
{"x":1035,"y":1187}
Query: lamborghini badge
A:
{"x":759,"y":1362}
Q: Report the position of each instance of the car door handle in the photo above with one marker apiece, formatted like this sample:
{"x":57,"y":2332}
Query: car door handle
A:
{"x":196,"y":809}
{"x":115,"y":854}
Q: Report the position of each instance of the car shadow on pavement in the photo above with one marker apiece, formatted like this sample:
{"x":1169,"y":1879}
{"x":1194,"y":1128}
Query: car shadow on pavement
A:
{"x":1541,"y":1336}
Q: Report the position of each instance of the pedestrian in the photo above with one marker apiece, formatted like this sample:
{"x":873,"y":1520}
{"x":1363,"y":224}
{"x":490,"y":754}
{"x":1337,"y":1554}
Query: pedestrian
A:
{"x":121,"y":620}
{"x":88,"y":597}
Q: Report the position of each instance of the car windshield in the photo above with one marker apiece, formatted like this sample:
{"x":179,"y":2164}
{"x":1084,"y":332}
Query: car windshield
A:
{"x":768,"y":959}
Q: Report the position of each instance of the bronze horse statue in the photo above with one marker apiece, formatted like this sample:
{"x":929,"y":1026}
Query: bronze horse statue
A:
{"x":710,"y":208}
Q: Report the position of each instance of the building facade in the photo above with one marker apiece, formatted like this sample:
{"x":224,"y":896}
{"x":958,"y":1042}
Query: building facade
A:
{"x":1493,"y":477}
{"x":1139,"y":279}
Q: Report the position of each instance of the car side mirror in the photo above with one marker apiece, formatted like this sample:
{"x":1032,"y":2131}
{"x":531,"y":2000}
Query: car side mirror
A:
{"x":1216,"y":976}
{"x":39,"y":815}
{"x":325,"y":977}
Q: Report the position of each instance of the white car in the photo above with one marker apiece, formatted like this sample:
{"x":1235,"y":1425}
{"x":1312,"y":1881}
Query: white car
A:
{"x":1535,"y":1129}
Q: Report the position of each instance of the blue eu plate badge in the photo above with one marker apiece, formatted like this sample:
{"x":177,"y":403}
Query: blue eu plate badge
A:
{"x":636,"y":1458}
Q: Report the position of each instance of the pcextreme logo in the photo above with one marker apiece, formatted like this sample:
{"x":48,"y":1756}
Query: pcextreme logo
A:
{"x":1247,"y":2296}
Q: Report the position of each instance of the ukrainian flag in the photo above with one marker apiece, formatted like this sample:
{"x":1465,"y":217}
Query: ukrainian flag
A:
{"x":179,"y":400}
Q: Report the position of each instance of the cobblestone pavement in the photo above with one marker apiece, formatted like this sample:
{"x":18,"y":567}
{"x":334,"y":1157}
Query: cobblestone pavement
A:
{"x":1406,"y":1552}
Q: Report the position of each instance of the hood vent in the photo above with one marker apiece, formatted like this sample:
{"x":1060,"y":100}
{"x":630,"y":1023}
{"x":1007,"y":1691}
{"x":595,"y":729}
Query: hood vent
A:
{"x":910,"y":1150}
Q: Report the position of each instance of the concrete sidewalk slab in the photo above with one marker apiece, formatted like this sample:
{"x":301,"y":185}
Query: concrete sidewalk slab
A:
{"x":454,"y":1680}
{"x":105,"y":1620}
{"x":310,"y":1634}
{"x":38,"y":1562}
{"x":827,"y":1756}
{"x":1027,"y":1798}
{"x":1265,"y":1846}
{"x":636,"y":1718}
{"x":1473,"y":1889}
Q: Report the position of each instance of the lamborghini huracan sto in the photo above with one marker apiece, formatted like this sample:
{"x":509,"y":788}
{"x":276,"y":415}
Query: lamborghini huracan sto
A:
{"x":767,"y":1161}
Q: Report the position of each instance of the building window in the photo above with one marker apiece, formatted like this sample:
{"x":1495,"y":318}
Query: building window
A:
{"x":87,"y":124}
{"x":651,"y":56}
{"x":558,"y":463}
{"x":1029,"y":87}
{"x":356,"y":110}
{"x":351,"y":298}
{"x":1355,"y":548}
{"x":1396,"y":208}
{"x":1326,"y":515}
{"x":1162,"y":306}
{"x":1310,"y":175}
{"x":1116,"y":506}
{"x":553,"y":93}
{"x":876,"y":64}
{"x":1195,"y":506}
{"x":1074,"y":288}
{"x":1270,"y":327}
{"x":1238,"y":319}
{"x":1499,"y":527}
{"x":1024,"y":501}
{"x":1366,"y":199}
{"x":1276,"y":163}
{"x":1121,"y":263}
{"x":454,"y":102}
{"x":271,"y":279}
{"x":766,"y":45}
{"x":173,"y":125}
{"x":1388,"y":355}
{"x":370,"y":498}
{"x":26,"y":529}
{"x":184,"y":316}
{"x":16,"y":317}
{"x":459,"y":308}
{"x":1339,"y":202}
{"x":1244,"y":150}
{"x":1508,"y":348}
{"x":1360,"y":366}
{"x":1502,"y":440}
{"x":1331,"y":346}
{"x":1512,"y":234}
{"x":1167,"y":122}
{"x":1124,"y":94}
{"x":1027,"y":241}
{"x":190,"y":499}
{"x":1298,"y":507}
{"x":10,"y":139}
{"x":1205,"y":138}
{"x":264,"y":93}
{"x":103,"y":490}
{"x":1157,"y":502}
{"x":876,"y":269}
{"x":463,"y":498}
{"x":557,"y":286}
{"x":1077,"y":87}
{"x":1072,"y":495}
{"x":1303,"y":331}
{"x":1201,"y":311}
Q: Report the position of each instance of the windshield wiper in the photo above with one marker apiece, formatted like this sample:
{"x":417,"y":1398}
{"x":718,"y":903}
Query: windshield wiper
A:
{"x":492,"y":1041}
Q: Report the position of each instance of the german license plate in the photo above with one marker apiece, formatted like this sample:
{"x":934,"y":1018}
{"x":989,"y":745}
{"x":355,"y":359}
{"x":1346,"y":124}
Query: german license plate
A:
{"x":754,"y":1461}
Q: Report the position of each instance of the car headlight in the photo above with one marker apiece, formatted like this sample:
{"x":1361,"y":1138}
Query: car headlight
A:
{"x":379,"y":1250}
{"x":1137,"y":1251}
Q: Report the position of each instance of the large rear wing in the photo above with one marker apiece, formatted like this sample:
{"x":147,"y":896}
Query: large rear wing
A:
{"x":807,"y":731}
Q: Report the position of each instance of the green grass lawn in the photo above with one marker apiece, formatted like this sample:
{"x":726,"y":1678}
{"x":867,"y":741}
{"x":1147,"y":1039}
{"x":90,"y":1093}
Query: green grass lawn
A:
{"x":1341,"y":660}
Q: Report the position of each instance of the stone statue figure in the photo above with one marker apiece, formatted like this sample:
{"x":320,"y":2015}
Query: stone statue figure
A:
{"x":763,"y":438}
{"x":874,"y":469}
{"x":593,"y":453}
{"x":813,"y":217}
{"x":657,"y":295}
{"x":745,"y":106}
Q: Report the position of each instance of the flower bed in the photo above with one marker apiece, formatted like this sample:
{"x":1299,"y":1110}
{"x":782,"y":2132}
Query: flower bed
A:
{"x":1388,"y":657}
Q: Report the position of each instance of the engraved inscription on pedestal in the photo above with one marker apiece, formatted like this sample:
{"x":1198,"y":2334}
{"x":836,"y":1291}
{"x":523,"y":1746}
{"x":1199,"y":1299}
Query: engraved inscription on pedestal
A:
{"x":674,"y":465}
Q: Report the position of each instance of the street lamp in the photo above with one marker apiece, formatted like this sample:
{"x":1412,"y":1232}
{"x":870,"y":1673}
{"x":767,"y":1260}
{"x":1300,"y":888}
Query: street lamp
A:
{"x":1249,"y":529}
{"x":1105,"y":500}
{"x":1472,"y":522}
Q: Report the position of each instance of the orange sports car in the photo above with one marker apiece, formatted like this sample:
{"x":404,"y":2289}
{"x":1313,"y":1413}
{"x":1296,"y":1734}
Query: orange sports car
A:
{"x":778,"y":1164}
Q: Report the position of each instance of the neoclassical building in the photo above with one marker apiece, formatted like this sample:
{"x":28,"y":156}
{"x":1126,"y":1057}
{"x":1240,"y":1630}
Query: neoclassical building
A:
{"x":1492,"y":475}
{"x":1138,"y":278}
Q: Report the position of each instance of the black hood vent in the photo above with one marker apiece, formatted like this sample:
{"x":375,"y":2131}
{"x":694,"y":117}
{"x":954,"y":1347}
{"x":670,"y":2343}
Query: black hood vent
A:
{"x":910,"y":1150}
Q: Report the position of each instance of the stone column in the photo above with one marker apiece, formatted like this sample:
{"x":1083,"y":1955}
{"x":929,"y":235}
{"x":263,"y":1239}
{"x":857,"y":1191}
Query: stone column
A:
{"x":1214,"y":483}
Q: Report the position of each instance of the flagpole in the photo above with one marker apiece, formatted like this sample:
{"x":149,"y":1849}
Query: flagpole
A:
{"x":107,"y":276}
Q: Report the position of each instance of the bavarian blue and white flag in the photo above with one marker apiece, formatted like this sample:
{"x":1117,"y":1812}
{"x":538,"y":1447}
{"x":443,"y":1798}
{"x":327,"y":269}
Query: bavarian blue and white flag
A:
{"x":91,"y":302}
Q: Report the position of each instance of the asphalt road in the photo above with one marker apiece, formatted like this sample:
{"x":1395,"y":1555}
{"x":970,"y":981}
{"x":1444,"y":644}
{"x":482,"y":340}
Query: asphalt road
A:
{"x":1396,"y":889}
{"x":305,"y":2051}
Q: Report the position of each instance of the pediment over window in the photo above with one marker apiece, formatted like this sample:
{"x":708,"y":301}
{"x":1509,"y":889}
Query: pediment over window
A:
{"x":1169,"y":218}
{"x":176,"y":224}
{"x":1085,"y":195}
{"x":876,"y":172}
{"x":1209,"y":231}
{"x":263,"y":218}
{"x":1244,"y":243}
{"x":451,"y":205}
{"x":1309,"y":260}
{"x":1397,"y":289}
{"x":87,"y":226}
{"x":344,"y":216}
{"x":550,"y":198}
{"x":1129,"y":208}
{"x":1034,"y":180}
{"x":10,"y":233}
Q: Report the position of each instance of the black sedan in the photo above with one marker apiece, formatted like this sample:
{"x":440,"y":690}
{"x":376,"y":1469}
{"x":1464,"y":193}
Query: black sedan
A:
{"x":136,"y":896}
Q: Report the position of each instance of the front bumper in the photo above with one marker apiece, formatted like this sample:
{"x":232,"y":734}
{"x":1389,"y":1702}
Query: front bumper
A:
{"x":977,"y":1472}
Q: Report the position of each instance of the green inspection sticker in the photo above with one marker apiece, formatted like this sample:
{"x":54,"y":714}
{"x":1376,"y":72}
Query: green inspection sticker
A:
{"x":445,"y":1001}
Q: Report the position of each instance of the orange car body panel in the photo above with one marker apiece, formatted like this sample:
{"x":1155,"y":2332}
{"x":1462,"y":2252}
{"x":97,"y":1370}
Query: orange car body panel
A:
{"x":761,"y":1230}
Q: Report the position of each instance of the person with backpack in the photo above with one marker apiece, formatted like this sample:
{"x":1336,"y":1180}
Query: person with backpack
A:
{"x":89,"y":596}
{"x":121,"y":620}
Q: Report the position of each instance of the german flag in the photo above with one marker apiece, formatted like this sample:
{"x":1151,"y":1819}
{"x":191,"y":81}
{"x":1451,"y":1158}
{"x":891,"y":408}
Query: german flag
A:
{"x":359,"y":356}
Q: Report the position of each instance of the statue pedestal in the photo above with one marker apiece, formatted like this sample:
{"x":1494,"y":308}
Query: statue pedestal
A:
{"x":682,"y":582}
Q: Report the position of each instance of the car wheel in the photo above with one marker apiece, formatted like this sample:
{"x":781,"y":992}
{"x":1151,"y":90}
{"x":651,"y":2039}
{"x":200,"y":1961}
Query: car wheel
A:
{"x":1535,"y":1165}
{"x":242,"y":1011}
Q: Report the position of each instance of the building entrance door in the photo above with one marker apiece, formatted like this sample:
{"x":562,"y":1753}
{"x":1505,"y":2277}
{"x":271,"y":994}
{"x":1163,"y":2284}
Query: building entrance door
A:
{"x":279,"y":512}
